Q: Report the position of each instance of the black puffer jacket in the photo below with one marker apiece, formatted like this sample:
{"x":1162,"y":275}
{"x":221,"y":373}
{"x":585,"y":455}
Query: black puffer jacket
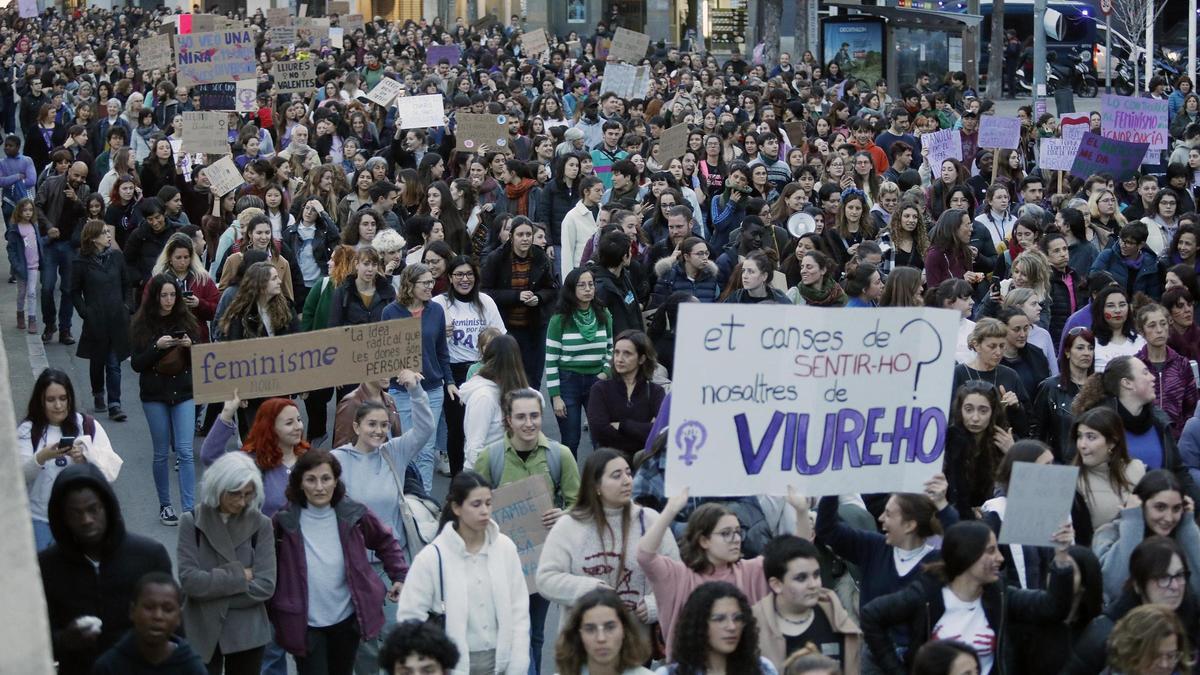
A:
{"x":347,"y":309}
{"x":619,"y":296}
{"x":75,"y":588}
{"x":919,"y":607}
{"x":158,"y":387}
{"x":1059,"y":302}
{"x":142,"y":249}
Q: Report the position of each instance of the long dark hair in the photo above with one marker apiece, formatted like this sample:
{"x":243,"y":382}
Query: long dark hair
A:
{"x":502,"y":364}
{"x":1154,"y":482}
{"x":36,"y":411}
{"x":149,"y":323}
{"x":567,"y":302}
{"x":590,"y":507}
{"x":473,"y":296}
{"x":691,"y":647}
{"x":962,"y":545}
{"x":1091,"y":585}
{"x":980,"y":458}
{"x":1099,"y":387}
{"x":1108,"y":422}
{"x":936,"y":657}
{"x":460,"y":489}
{"x":1100,"y":327}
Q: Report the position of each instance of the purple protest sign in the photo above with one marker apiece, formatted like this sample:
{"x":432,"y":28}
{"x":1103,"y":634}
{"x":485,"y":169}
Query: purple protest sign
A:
{"x":436,"y":53}
{"x":1098,"y":154}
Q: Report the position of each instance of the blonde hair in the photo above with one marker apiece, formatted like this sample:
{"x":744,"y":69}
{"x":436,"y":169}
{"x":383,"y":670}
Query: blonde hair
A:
{"x":985,"y":329}
{"x":1133,"y":644}
{"x":887,"y":188}
{"x":1093,"y":206}
{"x":1035,"y":267}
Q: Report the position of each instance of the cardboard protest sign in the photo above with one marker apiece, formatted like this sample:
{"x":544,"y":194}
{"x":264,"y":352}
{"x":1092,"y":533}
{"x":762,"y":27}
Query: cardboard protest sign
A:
{"x":1098,"y":154}
{"x":156,"y":52}
{"x":282,"y":36}
{"x":384,"y":92}
{"x":296,"y":75}
{"x":337,"y":37}
{"x":436,"y":53}
{"x":475,"y":130}
{"x":279,"y":16}
{"x":771,"y":396}
{"x":1039,"y":502}
{"x":27,"y":9}
{"x":339,"y":7}
{"x":517,"y":509}
{"x":999,"y":132}
{"x":419,"y":112}
{"x":215,"y":57}
{"x":257,"y":6}
{"x":203,"y":23}
{"x":625,"y":80}
{"x":629,"y":45}
{"x":673,"y":143}
{"x":206,"y":132}
{"x":535,"y":42}
{"x":1056,"y":154}
{"x":353,"y":22}
{"x":305,"y":361}
{"x":1136,"y":120}
{"x":223,"y":175}
{"x":943,"y":145}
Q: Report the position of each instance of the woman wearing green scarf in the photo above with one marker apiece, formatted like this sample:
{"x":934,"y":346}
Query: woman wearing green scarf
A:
{"x":579,"y":344}
{"x":817,"y":286}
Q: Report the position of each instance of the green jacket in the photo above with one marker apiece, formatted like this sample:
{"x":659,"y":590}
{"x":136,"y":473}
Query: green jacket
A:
{"x":316,"y":306}
{"x":515,"y":469}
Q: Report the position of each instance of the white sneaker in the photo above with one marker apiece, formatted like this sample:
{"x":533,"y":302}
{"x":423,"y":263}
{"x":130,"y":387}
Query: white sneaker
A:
{"x":443,"y":464}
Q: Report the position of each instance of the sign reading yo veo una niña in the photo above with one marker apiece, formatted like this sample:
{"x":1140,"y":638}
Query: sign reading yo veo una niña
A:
{"x":291,"y":364}
{"x":767,"y":397}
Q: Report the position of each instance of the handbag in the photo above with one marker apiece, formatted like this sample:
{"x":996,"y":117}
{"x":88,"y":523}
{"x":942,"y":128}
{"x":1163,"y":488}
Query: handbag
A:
{"x":173,"y":362}
{"x":437,"y":616}
{"x":418,"y":532}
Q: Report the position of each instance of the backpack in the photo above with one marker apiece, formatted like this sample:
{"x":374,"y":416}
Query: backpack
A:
{"x":88,"y":428}
{"x":496,"y":453}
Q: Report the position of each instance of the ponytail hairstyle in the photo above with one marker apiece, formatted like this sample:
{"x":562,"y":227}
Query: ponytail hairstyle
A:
{"x":920,"y":509}
{"x":1099,"y":387}
{"x":461,"y":487}
{"x":1028,"y":450}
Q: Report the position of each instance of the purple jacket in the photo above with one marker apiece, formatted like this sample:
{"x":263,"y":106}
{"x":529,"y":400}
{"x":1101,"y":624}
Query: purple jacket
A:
{"x":360,"y":530}
{"x":274,"y":480}
{"x":1174,"y":388}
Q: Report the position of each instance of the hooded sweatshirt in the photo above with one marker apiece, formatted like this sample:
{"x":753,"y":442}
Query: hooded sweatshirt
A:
{"x":76,"y":585}
{"x":125,"y":659}
{"x":483,"y":422}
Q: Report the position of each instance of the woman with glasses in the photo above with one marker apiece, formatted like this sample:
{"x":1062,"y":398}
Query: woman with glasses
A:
{"x":1150,"y":640}
{"x":1132,"y":264}
{"x":1161,"y":219}
{"x":964,"y":595}
{"x":415,"y":300}
{"x":717,"y":634}
{"x":1158,"y":576}
{"x":579,"y":344}
{"x":689,"y":270}
{"x":468,"y":313}
{"x":710,"y":550}
{"x":602,"y":635}
{"x":1157,"y":507}
{"x":1052,"y":402}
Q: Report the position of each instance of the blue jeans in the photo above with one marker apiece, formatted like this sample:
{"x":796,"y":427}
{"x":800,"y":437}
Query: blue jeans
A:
{"x":538,"y":607}
{"x":274,"y":659}
{"x":177,"y":424}
{"x":56,"y":267}
{"x":426,"y":459}
{"x":106,"y":374}
{"x":42,"y":536}
{"x":574,"y":390}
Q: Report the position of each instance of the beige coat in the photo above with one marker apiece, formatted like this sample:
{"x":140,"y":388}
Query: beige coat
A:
{"x":234,"y":261}
{"x":774,"y":648}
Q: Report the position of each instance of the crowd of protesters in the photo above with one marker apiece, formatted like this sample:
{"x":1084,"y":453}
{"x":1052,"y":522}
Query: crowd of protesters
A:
{"x":546,"y":273}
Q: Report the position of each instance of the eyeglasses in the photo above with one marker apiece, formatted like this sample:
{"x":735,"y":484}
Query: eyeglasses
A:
{"x":735,"y":534}
{"x":462,"y":276}
{"x":1168,"y":580}
{"x":427,"y":284}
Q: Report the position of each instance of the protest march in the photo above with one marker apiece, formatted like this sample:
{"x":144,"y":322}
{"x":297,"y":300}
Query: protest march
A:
{"x":453,"y":346}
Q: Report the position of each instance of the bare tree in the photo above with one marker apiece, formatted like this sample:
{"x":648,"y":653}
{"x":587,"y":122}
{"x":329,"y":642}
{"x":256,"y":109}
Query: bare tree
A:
{"x":1130,"y":17}
{"x":772,"y":16}
{"x":995,"y":69}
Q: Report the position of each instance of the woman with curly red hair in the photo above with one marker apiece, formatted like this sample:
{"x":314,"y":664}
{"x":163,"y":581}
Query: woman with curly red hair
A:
{"x":275,"y":441}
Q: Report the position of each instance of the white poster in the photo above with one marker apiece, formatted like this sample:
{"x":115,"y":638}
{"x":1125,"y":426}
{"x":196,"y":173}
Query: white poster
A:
{"x":419,"y":112}
{"x":383,"y":93}
{"x":1039,"y":502}
{"x":830,"y":402}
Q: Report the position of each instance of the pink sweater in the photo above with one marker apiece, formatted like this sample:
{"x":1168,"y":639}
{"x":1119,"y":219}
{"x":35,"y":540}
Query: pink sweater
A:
{"x":673,"y":582}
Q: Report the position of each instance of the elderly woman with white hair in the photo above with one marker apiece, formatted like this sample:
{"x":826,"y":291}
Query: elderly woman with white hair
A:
{"x":390,"y":245}
{"x":226,"y":556}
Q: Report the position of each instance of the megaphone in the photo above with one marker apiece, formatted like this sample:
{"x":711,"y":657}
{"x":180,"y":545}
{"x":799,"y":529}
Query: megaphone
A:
{"x":1053,"y":23}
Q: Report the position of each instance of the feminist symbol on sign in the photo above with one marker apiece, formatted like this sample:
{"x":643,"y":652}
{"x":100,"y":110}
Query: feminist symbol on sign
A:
{"x":692,"y":436}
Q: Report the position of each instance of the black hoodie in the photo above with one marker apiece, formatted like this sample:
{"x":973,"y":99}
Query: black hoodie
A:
{"x":76,"y":586}
{"x":125,"y":659}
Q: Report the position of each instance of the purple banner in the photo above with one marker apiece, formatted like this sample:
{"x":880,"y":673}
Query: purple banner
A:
{"x":1107,"y":155}
{"x":438,"y":52}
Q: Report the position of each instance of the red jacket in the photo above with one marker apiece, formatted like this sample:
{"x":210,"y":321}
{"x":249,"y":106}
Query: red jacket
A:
{"x":360,"y":530}
{"x":878,"y":156}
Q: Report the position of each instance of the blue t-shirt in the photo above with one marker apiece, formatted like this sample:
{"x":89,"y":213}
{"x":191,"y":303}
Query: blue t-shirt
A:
{"x":1146,"y":446}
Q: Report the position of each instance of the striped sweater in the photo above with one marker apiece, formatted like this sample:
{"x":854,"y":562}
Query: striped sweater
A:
{"x":566,"y":348}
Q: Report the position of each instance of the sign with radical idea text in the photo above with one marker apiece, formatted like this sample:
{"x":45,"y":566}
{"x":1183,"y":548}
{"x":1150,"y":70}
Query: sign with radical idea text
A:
{"x":290,"y":364}
{"x":830,"y":402}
